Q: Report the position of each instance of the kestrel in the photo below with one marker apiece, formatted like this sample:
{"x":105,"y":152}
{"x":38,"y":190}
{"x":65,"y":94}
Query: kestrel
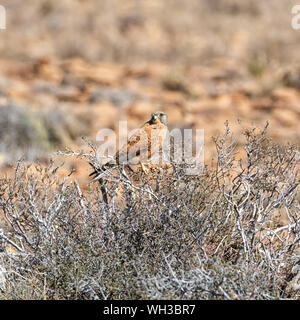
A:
{"x":142,"y":147}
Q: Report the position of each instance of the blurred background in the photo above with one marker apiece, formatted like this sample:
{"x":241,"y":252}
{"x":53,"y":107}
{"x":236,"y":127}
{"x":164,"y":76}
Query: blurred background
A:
{"x":71,"y":67}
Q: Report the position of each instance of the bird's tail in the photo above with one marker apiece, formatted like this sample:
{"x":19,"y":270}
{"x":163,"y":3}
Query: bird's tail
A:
{"x":98,"y":173}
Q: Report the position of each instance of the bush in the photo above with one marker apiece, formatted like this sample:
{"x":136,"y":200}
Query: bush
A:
{"x":34,"y":133}
{"x":231,"y":232}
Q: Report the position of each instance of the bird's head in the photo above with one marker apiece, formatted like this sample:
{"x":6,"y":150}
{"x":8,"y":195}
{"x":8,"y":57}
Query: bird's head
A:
{"x":159,"y":117}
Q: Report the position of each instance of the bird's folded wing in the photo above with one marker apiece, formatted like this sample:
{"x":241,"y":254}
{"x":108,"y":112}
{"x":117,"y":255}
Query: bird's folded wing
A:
{"x":137,"y":144}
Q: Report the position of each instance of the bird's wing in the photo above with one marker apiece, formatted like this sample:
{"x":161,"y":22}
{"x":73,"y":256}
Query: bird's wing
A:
{"x":136,"y":145}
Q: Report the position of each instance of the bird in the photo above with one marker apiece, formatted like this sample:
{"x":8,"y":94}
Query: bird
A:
{"x":141,"y":147}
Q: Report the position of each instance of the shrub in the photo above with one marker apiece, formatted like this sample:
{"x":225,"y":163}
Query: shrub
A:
{"x":33,"y":133}
{"x":231,"y":232}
